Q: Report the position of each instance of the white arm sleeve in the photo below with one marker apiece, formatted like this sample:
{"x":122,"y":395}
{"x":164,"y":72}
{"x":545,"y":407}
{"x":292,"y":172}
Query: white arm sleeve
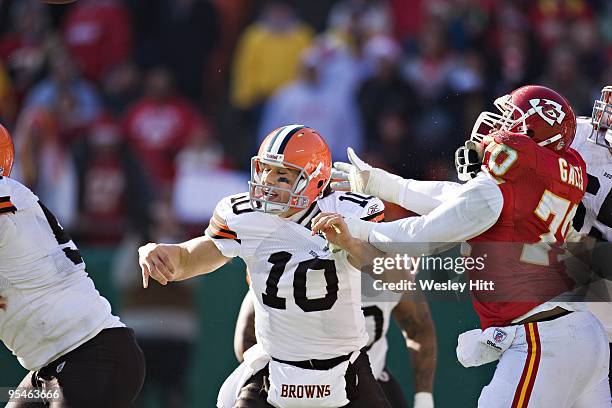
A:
{"x":423,"y":196}
{"x":472,"y":211}
{"x":414,"y":195}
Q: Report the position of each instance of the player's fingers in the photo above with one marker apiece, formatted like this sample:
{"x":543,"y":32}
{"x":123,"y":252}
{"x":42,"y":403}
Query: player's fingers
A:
{"x":333,"y":222}
{"x":340,"y":185}
{"x":165,"y":266}
{"x":145,"y":275}
{"x":318,"y":222}
{"x":158,"y":277}
{"x":155,"y":272}
{"x":339,"y":175}
{"x":342,"y":166}
{"x":360,"y":164}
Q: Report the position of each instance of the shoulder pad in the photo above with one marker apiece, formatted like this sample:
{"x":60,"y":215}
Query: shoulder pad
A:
{"x":232,"y":206}
{"x":15,"y":196}
{"x":222,"y":223}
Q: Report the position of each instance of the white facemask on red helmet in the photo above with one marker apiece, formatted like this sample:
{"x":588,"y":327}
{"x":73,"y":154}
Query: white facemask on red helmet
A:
{"x":536,"y":111}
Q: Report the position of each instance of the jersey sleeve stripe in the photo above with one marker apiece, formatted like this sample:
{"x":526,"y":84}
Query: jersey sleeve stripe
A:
{"x":218,"y":230}
{"x":6,"y":205}
{"x":376,"y":217}
{"x":221,"y":227}
{"x":211,"y":232}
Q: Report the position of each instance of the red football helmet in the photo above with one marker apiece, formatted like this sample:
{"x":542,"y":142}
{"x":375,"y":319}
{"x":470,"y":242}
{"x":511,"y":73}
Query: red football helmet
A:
{"x":7,"y":152}
{"x":601,"y":119}
{"x":535,"y":111}
{"x":295,"y":147}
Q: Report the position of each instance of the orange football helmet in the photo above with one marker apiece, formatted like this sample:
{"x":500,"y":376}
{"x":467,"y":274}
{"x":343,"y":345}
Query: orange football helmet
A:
{"x":7,"y":152}
{"x":294,"y":147}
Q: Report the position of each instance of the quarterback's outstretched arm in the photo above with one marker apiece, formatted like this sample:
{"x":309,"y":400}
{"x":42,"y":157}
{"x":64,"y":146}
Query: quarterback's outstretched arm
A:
{"x":472,"y":211}
{"x":174,"y":262}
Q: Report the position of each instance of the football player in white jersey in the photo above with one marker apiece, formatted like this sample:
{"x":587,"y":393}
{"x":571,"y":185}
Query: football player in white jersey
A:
{"x":309,"y":325}
{"x":52,"y":317}
{"x":413,"y":318}
{"x":594,"y":216}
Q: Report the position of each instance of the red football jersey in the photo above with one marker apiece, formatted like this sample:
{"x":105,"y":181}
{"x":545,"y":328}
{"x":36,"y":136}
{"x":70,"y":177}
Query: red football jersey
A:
{"x":541,"y":191}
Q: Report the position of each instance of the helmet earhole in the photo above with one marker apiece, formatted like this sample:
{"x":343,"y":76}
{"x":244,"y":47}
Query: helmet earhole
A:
{"x":320,"y":184}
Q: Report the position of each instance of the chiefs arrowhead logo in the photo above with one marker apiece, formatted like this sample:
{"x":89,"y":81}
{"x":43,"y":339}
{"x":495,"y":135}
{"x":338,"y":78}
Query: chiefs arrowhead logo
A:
{"x":547,"y":109}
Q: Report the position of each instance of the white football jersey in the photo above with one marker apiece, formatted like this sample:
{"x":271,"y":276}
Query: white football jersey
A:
{"x":378,"y":317}
{"x":52,"y":305}
{"x":307,"y":298}
{"x":594,"y":215}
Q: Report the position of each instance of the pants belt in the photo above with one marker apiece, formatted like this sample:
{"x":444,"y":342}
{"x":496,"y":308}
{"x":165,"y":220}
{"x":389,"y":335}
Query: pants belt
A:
{"x":316,"y":364}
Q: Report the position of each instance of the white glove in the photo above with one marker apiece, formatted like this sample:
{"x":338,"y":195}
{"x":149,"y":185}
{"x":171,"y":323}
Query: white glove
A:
{"x":359,"y":177}
{"x":423,"y":400}
{"x":354,"y":175}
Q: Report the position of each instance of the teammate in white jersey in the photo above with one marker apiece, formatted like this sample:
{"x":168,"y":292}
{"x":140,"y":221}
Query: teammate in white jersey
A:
{"x":53,"y":318}
{"x":309,"y":324}
{"x":594,"y":216}
{"x":413,"y":318}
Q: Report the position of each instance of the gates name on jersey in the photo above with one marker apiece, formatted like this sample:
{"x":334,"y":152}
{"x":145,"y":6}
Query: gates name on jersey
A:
{"x":307,"y":298}
{"x":542,"y":190}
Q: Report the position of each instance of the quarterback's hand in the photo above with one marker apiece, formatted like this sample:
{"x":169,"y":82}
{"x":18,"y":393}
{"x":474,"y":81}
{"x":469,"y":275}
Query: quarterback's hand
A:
{"x":160,"y":262}
{"x":2,"y":303}
{"x":352,"y":176}
{"x":334,"y":228}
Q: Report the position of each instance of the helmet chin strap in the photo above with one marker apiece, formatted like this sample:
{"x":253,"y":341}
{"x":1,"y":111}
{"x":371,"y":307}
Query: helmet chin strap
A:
{"x":550,"y":140}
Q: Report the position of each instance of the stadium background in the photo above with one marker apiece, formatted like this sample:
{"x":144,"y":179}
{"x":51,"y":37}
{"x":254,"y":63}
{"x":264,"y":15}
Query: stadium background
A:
{"x":131,"y":118}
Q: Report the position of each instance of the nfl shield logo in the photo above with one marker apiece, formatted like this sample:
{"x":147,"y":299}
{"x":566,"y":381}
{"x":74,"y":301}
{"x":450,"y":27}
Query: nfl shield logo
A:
{"x":499,"y":335}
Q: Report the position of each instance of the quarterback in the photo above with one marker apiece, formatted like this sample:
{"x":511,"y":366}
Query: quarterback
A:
{"x":528,"y":191}
{"x":307,"y":298}
{"x":51,"y":315}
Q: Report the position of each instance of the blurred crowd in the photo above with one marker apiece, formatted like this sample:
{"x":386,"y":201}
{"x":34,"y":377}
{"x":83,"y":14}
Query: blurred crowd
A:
{"x":122,"y":107}
{"x":132,"y":118}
